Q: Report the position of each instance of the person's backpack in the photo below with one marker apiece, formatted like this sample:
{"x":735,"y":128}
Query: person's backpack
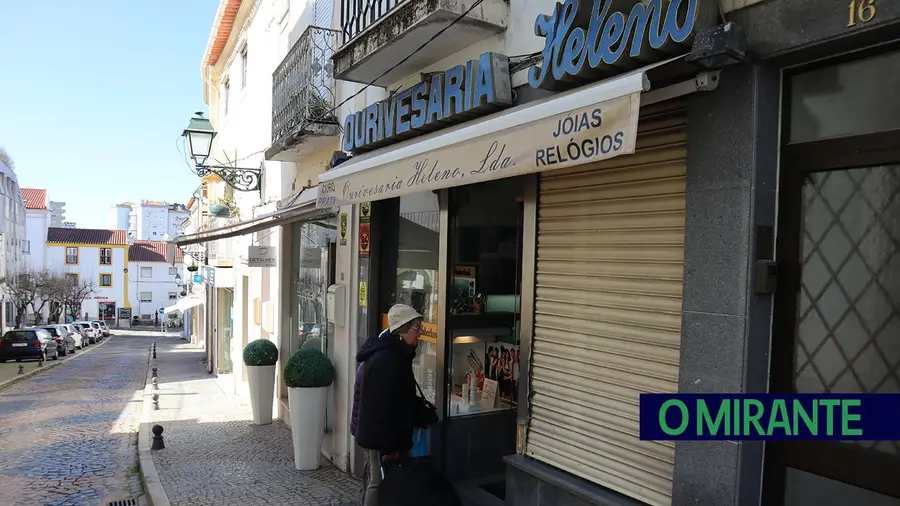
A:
{"x":414,"y":483}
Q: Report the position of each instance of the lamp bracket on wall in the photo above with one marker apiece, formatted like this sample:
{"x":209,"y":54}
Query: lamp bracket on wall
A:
{"x":241,"y":179}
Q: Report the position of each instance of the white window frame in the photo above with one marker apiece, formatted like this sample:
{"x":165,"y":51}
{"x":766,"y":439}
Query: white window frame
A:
{"x":26,"y":246}
{"x":244,"y":66}
{"x":226,"y":92}
{"x":67,"y":257}
{"x":149,"y":296}
{"x":146,"y":272}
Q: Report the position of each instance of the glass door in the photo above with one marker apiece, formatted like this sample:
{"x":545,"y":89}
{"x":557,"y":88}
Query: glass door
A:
{"x":837,"y":309}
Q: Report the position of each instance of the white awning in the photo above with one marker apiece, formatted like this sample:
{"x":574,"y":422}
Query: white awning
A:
{"x":181,"y":305}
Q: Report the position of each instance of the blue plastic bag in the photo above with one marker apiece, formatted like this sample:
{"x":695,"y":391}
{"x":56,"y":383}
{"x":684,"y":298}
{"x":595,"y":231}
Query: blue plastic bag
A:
{"x":420,"y":443}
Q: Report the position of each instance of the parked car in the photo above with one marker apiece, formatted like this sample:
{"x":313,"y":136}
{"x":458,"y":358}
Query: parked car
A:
{"x":80,"y":340}
{"x":98,"y":328}
{"x":27,"y":343}
{"x":104,"y":327}
{"x":87,"y":331}
{"x":65,"y":343}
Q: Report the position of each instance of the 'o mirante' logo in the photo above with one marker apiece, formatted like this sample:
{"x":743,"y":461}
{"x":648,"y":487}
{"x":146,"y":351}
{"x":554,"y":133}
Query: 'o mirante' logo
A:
{"x":581,"y":45}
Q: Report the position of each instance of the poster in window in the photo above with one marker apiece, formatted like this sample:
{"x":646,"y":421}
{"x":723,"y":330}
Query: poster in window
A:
{"x":365,"y":239}
{"x":501,"y":364}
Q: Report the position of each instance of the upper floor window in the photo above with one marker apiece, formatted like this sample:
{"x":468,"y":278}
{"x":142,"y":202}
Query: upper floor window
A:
{"x":71,"y":256}
{"x":146,"y":272}
{"x":106,"y":280}
{"x":105,"y":256}
{"x":26,"y":247}
{"x":244,"y":67}
{"x":72,"y":279}
{"x":226,"y":92}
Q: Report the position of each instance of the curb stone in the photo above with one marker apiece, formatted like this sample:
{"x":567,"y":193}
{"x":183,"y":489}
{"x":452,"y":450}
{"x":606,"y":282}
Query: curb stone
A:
{"x":54,"y":363}
{"x":155,"y":492}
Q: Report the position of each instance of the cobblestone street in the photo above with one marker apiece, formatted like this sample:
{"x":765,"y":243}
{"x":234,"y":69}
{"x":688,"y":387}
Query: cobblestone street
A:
{"x":215,"y":457}
{"x":68,"y":435}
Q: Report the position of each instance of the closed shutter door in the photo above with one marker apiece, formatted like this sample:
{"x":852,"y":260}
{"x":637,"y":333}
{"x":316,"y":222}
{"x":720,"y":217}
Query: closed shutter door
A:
{"x":610,"y":255}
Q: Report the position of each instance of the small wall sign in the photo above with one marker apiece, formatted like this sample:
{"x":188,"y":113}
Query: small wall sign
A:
{"x":343,"y":229}
{"x":261,"y":256}
{"x":365,"y":239}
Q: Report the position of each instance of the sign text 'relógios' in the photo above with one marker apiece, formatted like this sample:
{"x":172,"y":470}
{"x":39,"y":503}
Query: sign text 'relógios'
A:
{"x":613,"y":36}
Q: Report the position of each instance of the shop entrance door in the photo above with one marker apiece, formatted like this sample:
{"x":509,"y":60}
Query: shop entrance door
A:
{"x":837,"y":309}
{"x":481,"y":371}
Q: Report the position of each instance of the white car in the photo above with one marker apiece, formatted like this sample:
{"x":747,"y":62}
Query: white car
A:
{"x":80,"y":340}
{"x":88,"y":332}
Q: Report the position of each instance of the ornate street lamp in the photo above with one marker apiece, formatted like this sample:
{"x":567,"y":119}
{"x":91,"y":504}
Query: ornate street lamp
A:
{"x":177,"y":279}
{"x":200,"y":134}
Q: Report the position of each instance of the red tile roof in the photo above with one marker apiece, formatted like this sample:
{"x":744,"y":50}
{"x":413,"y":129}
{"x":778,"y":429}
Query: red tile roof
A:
{"x":86,"y":236}
{"x":151,"y":251}
{"x":34,"y":198}
{"x":223,"y":31}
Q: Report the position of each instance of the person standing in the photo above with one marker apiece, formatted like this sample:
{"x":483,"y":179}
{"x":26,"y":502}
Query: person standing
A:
{"x":384,"y":398}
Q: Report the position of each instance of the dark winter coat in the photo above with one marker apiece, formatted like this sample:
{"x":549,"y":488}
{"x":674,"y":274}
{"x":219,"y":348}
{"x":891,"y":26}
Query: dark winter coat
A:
{"x":384,"y":396}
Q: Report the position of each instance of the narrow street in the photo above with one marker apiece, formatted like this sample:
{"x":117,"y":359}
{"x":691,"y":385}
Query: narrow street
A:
{"x":68,"y":436}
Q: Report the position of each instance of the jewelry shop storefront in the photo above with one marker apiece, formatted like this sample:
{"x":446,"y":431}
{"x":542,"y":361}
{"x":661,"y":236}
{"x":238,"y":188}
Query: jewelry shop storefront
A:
{"x":543,"y":243}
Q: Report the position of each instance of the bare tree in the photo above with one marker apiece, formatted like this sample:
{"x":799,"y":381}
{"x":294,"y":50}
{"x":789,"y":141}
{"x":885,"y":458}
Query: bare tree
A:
{"x":77,"y":293}
{"x":55,"y":291}
{"x":6,"y":159}
{"x":23,"y":289}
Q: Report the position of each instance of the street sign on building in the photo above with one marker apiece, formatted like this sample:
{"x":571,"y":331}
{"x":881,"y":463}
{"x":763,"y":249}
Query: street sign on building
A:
{"x":261,"y":256}
{"x":161,"y":310}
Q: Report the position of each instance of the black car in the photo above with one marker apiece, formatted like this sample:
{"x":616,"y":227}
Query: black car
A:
{"x":64,"y":341}
{"x":22,"y":344}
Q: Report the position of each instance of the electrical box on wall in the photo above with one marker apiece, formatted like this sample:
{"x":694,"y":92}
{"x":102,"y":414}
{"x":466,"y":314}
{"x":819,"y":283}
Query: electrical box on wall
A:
{"x":336,"y":305}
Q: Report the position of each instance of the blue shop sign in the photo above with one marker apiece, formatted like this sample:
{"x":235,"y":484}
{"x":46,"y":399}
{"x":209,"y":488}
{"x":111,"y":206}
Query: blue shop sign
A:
{"x":198,"y":278}
{"x":478,"y":87}
{"x":586,"y":46}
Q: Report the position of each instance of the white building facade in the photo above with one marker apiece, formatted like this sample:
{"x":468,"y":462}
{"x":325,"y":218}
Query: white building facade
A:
{"x":95,"y":256}
{"x":152,"y":280}
{"x":38,"y":218}
{"x":13,"y":242}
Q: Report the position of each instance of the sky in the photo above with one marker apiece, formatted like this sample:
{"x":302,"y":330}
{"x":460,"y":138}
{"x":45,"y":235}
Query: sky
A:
{"x":94,"y":95}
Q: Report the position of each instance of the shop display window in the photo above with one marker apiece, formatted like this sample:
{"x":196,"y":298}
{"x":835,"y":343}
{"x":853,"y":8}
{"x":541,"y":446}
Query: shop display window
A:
{"x":416,"y":280}
{"x":314,"y":249}
{"x":484,"y":296}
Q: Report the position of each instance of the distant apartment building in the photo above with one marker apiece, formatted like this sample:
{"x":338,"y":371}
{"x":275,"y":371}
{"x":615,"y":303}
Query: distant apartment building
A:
{"x":38,"y":219}
{"x":57,"y":213}
{"x":149,"y":220}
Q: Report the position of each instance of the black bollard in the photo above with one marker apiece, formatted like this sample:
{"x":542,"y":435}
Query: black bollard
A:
{"x":21,"y":369}
{"x":155,"y":381}
{"x":154,"y":352}
{"x":155,"y":372}
{"x":157,"y":443}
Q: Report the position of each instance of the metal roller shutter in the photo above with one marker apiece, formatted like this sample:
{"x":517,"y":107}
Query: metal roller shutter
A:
{"x":610,"y":254}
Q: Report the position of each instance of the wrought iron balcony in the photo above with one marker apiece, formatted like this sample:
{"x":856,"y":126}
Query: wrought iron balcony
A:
{"x":303,"y":91}
{"x":377,"y":34}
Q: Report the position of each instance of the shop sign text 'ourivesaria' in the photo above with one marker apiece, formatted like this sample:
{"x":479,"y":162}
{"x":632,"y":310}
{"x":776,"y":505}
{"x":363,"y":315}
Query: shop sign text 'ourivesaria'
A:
{"x":614,"y":36}
{"x":478,"y":87}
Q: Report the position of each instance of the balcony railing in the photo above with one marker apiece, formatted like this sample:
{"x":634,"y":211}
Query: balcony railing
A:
{"x":357,"y":15}
{"x":303,"y":85}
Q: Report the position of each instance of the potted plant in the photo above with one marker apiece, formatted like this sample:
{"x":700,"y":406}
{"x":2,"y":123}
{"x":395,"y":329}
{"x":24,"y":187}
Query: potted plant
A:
{"x":308,"y":374}
{"x":192,"y":268}
{"x":260,"y":357}
{"x":184,"y":293}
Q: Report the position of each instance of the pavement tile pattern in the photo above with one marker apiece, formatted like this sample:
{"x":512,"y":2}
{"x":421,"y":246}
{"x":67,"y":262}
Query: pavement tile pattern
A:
{"x":214,"y":456}
{"x":68,"y":436}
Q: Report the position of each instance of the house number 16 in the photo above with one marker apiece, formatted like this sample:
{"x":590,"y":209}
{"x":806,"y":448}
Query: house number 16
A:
{"x":861,"y":10}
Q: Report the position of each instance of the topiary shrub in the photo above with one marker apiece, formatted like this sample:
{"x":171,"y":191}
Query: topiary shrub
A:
{"x":260,"y":352}
{"x":308,"y":368}
{"x":314,"y":343}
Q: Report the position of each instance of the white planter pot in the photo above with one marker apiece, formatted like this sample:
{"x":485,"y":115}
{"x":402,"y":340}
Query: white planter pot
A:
{"x":307,"y":407}
{"x":261,"y":379}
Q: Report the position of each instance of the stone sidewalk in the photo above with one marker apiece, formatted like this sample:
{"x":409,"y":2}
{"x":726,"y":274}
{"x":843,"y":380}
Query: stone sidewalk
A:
{"x":215,"y":457}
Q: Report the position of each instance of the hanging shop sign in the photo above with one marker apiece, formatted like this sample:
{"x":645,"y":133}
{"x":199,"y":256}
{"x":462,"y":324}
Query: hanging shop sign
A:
{"x":590,"y":39}
{"x":477,"y":87}
{"x":261,"y":256}
{"x":583,"y":135}
{"x":311,"y":258}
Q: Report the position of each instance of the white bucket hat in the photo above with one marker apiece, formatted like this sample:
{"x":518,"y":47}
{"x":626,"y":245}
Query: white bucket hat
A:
{"x":401,"y":314}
